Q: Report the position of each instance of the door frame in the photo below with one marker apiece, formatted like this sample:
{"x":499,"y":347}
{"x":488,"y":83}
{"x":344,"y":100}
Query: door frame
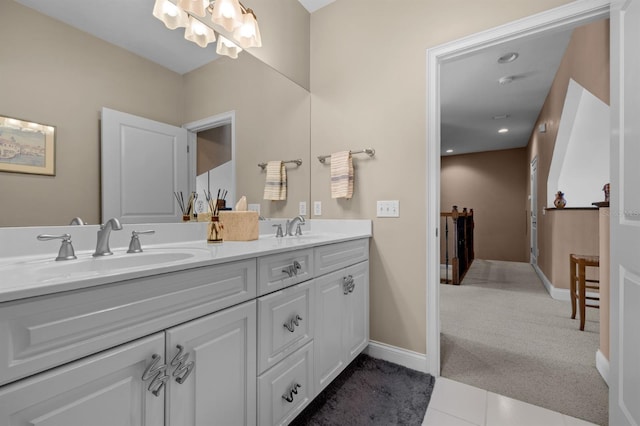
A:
{"x":218,"y":120}
{"x":570,"y":15}
{"x":533,"y":205}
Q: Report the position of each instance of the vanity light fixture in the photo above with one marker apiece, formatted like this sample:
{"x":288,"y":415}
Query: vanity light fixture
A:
{"x":503,"y":130}
{"x":201,"y":17}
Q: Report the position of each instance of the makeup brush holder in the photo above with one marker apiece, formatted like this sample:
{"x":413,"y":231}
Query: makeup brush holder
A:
{"x":214,"y":231}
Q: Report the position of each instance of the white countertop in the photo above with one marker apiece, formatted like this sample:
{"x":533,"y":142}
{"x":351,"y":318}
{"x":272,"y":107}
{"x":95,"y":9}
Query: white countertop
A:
{"x":174,"y":247}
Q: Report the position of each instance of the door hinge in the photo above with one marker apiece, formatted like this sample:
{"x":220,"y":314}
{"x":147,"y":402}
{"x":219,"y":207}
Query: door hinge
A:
{"x":187,"y":149}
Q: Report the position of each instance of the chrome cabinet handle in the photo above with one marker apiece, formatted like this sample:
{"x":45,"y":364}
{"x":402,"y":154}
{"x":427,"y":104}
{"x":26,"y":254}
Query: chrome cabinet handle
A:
{"x":348,"y":284}
{"x":292,"y":391}
{"x":183,"y":368}
{"x":155,"y":373}
{"x":292,"y":323}
{"x":293,"y":269}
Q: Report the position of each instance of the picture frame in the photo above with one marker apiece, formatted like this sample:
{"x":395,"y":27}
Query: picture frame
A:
{"x":27,"y":147}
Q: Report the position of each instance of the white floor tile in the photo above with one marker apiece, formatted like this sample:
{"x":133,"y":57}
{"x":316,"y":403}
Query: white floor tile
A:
{"x":572,"y":421}
{"x":504,"y":411}
{"x":462,"y":401}
{"x":438,"y":418}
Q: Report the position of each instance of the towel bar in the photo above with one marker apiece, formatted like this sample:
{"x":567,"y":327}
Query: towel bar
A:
{"x":298,"y":163}
{"x":369,"y":151}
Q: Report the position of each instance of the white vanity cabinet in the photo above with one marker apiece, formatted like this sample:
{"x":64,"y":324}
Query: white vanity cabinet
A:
{"x":342,"y":315}
{"x":207,"y":376}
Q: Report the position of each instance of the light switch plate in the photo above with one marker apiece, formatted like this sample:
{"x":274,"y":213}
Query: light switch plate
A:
{"x":302,"y":209}
{"x":317,"y":208}
{"x":389,"y":208}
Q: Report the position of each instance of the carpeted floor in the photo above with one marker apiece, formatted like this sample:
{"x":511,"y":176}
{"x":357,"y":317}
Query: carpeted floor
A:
{"x":371,"y":391}
{"x":501,"y":331}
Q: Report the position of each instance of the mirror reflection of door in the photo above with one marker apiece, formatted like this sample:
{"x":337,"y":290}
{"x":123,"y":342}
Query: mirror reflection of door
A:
{"x":214,"y":166}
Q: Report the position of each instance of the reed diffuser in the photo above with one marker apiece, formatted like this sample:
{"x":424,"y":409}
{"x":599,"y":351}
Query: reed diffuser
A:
{"x":186,"y":208}
{"x":214,"y":229}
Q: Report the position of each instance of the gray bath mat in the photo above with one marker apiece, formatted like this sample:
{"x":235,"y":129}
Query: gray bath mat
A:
{"x":371,"y":391}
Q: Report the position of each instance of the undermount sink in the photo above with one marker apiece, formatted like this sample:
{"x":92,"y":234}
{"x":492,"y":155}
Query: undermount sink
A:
{"x":46,"y":270}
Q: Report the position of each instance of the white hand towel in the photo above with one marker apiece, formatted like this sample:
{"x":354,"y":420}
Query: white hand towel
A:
{"x":275,"y":187}
{"x":342,"y":175}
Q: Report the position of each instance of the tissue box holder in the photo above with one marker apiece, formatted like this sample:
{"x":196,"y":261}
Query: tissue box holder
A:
{"x":239,"y":226}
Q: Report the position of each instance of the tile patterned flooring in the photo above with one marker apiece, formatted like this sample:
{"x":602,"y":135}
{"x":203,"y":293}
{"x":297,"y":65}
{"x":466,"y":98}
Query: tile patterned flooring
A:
{"x":457,"y":404}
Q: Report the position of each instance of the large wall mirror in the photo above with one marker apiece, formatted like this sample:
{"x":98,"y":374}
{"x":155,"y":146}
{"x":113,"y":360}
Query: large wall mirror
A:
{"x":63,"y":77}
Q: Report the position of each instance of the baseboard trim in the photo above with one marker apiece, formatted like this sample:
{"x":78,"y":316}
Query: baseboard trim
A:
{"x":602,"y":364}
{"x":555,"y":293}
{"x":400,"y":356}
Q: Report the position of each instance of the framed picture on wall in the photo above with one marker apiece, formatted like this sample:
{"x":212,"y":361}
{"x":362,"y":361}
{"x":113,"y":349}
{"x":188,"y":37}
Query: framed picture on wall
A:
{"x":27,"y":147}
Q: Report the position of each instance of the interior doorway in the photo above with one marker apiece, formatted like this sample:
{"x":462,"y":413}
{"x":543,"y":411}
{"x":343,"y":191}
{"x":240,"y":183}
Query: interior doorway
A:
{"x":533,"y":197}
{"x":564,"y":17}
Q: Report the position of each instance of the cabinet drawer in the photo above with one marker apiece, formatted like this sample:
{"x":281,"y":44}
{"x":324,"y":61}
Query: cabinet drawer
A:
{"x":282,"y":270}
{"x":43,"y":332}
{"x":332,"y":257}
{"x":285,"y":323}
{"x":286,"y":389}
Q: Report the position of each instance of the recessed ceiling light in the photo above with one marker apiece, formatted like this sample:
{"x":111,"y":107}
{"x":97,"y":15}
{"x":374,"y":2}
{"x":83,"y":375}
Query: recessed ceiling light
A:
{"x":503,"y":130}
{"x":508,"y":57}
{"x":449,"y":151}
{"x":501,"y":117}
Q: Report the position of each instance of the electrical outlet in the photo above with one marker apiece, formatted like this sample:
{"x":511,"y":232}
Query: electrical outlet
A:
{"x":317,"y":208}
{"x":302,"y":209}
{"x":389,"y":208}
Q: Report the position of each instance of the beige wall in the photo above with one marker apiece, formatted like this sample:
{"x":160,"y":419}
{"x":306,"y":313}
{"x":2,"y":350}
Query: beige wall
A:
{"x":272,"y":123}
{"x":368,"y":85}
{"x":214,"y":148}
{"x":284,"y":27}
{"x":586,"y":61}
{"x":494,"y":184}
{"x":51,"y":73}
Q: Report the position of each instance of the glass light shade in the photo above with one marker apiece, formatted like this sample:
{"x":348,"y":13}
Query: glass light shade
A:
{"x":170,"y":14}
{"x":199,"y":33}
{"x":227,"y":14}
{"x":227,"y":47}
{"x":195,"y":7}
{"x":248,"y":34}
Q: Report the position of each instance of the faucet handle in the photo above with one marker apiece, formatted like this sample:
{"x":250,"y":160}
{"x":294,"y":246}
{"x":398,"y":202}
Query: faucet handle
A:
{"x":278,"y":230}
{"x":66,"y":251}
{"x":134,"y":245}
{"x":298,"y":229}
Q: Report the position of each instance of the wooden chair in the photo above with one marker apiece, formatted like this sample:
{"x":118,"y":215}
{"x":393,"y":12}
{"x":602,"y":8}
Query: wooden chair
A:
{"x":579,"y":284}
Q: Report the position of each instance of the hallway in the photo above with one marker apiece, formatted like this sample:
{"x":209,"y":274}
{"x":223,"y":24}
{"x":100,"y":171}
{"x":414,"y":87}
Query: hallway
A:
{"x":502,"y":332}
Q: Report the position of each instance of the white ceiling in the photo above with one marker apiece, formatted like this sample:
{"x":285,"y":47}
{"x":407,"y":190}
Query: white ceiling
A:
{"x":470,"y":91}
{"x":471,"y":94}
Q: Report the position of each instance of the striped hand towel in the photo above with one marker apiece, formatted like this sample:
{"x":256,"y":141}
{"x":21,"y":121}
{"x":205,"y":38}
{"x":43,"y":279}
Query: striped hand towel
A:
{"x":275,"y":187}
{"x":341,"y":175}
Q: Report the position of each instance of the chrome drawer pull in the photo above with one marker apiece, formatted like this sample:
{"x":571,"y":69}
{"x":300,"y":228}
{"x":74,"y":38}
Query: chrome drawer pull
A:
{"x":347,"y":284}
{"x":155,"y":373}
{"x":292,"y":391}
{"x":292,"y":323}
{"x":183,"y":368}
{"x":293,"y":269}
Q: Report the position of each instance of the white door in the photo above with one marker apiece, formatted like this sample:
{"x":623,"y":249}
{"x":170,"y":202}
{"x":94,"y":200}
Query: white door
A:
{"x":102,"y":390}
{"x":624,"y":384}
{"x":143,"y":163}
{"x":221,"y":388}
{"x":534,"y":211}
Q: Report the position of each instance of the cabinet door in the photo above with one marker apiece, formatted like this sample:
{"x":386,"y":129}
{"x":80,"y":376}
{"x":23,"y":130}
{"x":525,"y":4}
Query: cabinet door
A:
{"x":102,"y":390}
{"x":330,"y":314}
{"x":356,"y":324}
{"x":221,"y":387}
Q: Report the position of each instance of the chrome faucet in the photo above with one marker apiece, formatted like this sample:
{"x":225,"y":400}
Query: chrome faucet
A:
{"x":291,"y":223}
{"x":102,"y":246}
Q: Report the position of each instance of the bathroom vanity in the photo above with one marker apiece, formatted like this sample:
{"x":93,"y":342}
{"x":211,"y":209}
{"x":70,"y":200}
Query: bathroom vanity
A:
{"x":238,"y":333}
